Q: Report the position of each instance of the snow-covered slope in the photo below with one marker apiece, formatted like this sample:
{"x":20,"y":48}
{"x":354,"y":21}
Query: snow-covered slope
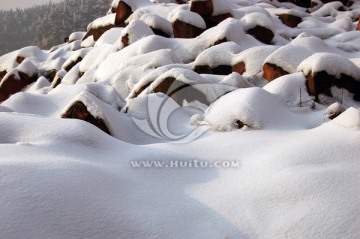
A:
{"x":186,"y":119}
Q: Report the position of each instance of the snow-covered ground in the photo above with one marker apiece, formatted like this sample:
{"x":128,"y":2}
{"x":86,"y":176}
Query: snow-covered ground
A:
{"x":178,"y":145}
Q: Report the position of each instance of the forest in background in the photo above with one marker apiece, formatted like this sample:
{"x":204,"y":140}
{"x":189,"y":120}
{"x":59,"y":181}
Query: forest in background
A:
{"x":47,"y":25}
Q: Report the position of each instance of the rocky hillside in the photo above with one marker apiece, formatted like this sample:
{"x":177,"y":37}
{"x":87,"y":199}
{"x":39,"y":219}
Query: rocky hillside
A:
{"x":47,"y":25}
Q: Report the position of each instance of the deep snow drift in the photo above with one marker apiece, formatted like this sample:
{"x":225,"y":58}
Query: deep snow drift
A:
{"x":171,"y":84}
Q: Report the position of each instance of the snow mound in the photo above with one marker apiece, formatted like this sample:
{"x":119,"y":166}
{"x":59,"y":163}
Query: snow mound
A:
{"x":350,"y":119}
{"x":136,"y":30}
{"x":291,"y":88}
{"x":331,"y":63}
{"x":191,"y":18}
{"x":221,"y":54}
{"x":288,"y":57}
{"x":252,"y":108}
{"x":254,"y":19}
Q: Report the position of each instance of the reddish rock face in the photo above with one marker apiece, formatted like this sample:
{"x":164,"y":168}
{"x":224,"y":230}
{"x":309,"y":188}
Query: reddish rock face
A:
{"x":20,"y":59}
{"x":125,"y":40}
{"x":50,"y":75}
{"x":262,"y":34}
{"x":239,"y":68}
{"x":212,"y":21}
{"x":57,"y":80}
{"x":69,"y":66}
{"x":97,"y":32}
{"x":321,"y":82}
{"x":123,"y":12}
{"x":358,"y":26}
{"x":203,"y":8}
{"x":185,"y":30}
{"x":13,"y":84}
{"x":206,"y":9}
{"x":79,"y":111}
{"x":180,"y":91}
{"x":271,"y":71}
{"x":290,"y":20}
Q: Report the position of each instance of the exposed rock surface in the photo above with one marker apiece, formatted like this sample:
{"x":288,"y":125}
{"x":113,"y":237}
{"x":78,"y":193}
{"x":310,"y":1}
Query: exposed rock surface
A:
{"x":79,"y":111}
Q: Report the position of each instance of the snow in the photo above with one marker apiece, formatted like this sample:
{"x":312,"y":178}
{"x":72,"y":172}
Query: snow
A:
{"x":288,"y":57}
{"x":254,"y":19}
{"x":221,"y":54}
{"x":136,"y":30}
{"x":350,"y":119}
{"x":103,"y":21}
{"x":289,"y":88}
{"x":158,"y":22}
{"x":39,"y":84}
{"x":28,"y":68}
{"x":88,"y":42}
{"x":75,"y":36}
{"x":331,"y":63}
{"x":134,"y":4}
{"x":254,"y":58}
{"x":191,"y":18}
{"x":256,"y":109}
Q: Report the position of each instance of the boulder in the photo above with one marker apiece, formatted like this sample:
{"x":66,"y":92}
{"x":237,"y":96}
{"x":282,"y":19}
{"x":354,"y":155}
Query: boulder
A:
{"x":179,"y":91}
{"x":14,"y":82}
{"x":78,"y":110}
{"x":290,"y":20}
{"x":50,"y":75}
{"x":123,"y":12}
{"x":218,"y":70}
{"x":272,"y":71}
{"x":185,"y":30}
{"x":203,"y":8}
{"x":20,"y":59}
{"x":212,"y":21}
{"x":71,"y":64}
{"x":203,"y":70}
{"x":206,"y":9}
{"x":97,"y":32}
{"x":2,"y":74}
{"x":261,"y":33}
{"x":321,"y":83}
{"x":159,"y":32}
{"x":239,"y":68}
{"x":58,"y":78}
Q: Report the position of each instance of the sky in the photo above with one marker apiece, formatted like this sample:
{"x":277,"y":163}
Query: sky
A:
{"x":8,"y":4}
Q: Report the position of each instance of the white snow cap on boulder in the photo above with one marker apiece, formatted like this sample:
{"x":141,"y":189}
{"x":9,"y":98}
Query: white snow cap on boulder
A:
{"x":288,"y":57}
{"x":28,"y":68}
{"x":254,"y":19}
{"x":75,"y":36}
{"x":157,"y":22}
{"x":333,"y":64}
{"x":136,"y":30}
{"x":191,"y":18}
{"x":252,"y":107}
